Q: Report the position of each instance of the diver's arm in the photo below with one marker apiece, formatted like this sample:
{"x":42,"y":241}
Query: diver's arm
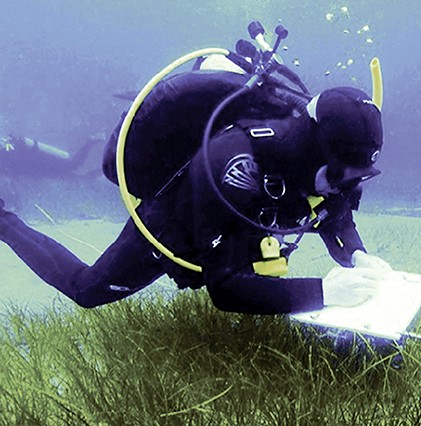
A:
{"x":253,"y":294}
{"x":338,"y":231}
{"x":244,"y":292}
{"x":343,"y":241}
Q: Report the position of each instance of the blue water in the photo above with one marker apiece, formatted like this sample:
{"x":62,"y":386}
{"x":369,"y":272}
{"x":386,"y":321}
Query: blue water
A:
{"x":62,"y":61}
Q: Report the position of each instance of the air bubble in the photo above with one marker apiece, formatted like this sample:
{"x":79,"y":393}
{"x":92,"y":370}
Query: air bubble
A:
{"x":364,"y":29}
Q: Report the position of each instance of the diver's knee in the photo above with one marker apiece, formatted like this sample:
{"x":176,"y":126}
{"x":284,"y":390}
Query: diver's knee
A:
{"x":86,"y":302}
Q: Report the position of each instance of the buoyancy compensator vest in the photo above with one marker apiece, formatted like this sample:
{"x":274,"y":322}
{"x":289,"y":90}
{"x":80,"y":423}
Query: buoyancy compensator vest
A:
{"x":162,"y":116}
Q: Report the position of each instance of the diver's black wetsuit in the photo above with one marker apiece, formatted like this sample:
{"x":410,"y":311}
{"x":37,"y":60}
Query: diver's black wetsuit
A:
{"x":185,"y":215}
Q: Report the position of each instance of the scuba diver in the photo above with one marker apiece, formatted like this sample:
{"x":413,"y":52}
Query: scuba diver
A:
{"x":26,"y":156}
{"x":230,"y":164}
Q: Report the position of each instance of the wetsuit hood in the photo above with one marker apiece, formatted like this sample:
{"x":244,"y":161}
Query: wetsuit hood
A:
{"x":349,"y":133}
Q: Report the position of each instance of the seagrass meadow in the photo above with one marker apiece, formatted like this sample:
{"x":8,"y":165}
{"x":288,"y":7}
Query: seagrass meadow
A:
{"x":170,"y":358}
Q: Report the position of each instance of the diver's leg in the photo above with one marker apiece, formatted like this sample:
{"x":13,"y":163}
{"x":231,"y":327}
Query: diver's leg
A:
{"x":127,"y":266}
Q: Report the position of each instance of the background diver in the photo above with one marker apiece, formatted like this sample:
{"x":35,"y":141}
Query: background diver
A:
{"x":27,"y":156}
{"x":277,"y":160}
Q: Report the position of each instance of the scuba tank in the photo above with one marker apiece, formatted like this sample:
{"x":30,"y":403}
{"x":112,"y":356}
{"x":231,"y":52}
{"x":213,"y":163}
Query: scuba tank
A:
{"x":10,"y":143}
{"x":46,"y":149}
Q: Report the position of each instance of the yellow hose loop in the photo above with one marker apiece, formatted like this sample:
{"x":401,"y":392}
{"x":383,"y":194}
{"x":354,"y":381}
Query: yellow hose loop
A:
{"x":377,"y":83}
{"x":129,"y":200}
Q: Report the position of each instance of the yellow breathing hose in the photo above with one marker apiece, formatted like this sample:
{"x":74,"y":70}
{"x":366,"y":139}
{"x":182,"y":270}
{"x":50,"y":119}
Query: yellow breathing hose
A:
{"x":129,"y":200}
{"x":132,"y":202}
{"x":377,"y":83}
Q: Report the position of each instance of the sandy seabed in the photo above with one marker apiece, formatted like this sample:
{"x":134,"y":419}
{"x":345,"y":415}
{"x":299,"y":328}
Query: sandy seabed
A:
{"x":395,"y":238}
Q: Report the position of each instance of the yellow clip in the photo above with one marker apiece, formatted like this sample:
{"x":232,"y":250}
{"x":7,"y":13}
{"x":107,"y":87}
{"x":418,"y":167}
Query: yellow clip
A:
{"x":270,"y":247}
{"x":274,"y":264}
{"x":9,"y":146}
{"x":314,"y":201}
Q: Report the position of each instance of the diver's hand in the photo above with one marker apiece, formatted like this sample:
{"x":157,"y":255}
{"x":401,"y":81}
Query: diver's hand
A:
{"x":361,"y":259}
{"x":350,"y":286}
